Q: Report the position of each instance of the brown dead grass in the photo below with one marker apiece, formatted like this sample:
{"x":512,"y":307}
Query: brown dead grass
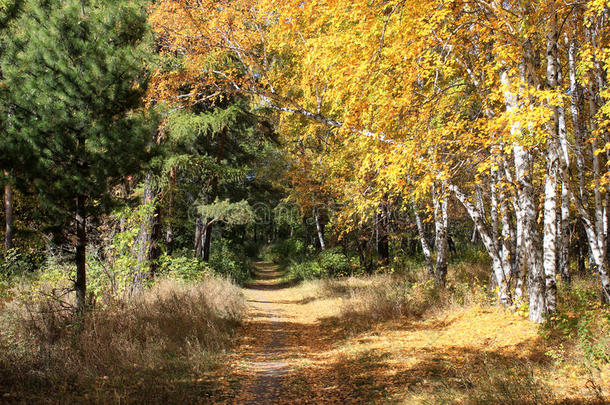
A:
{"x":159,"y":345}
{"x":367,"y":301}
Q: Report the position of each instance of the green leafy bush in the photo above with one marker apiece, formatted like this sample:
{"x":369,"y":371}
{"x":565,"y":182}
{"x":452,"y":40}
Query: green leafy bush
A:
{"x":230,"y":261}
{"x":19,"y":261}
{"x":329,"y":263}
{"x":185,"y":268}
{"x":251,"y":248}
{"x":334,"y":263}
{"x":581,"y":317}
{"x":112,"y":268}
{"x":306,"y":270}
{"x":286,"y":250}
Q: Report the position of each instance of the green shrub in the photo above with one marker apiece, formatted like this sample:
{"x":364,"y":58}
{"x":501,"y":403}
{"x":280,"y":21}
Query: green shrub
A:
{"x":334,"y":263}
{"x":112,"y":269}
{"x":306,"y":270}
{"x":286,"y":250}
{"x":581,"y":317}
{"x":17,"y":261}
{"x":190,"y":269}
{"x":230,"y":261}
{"x":329,"y":263}
{"x":251,"y":248}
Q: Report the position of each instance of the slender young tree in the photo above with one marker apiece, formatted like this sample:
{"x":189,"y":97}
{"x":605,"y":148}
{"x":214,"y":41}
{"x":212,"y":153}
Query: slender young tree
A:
{"x":75,"y":74}
{"x":8,"y":213}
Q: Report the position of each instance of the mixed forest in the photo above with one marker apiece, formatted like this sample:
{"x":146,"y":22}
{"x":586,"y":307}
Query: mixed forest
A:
{"x":305,"y":201}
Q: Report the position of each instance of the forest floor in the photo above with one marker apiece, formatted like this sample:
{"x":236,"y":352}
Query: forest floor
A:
{"x":353,"y":340}
{"x":297,"y":346}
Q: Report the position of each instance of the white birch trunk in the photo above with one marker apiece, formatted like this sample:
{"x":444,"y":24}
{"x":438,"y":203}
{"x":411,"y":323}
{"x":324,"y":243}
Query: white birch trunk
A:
{"x":564,"y":258}
{"x":424,"y":242}
{"x":488,"y":242}
{"x":507,"y":235}
{"x":525,"y":194}
{"x":550,"y":234}
{"x":564,"y":162}
{"x":493,"y":216}
{"x":575,"y":98}
{"x":598,"y":247}
{"x":319,"y":229}
{"x":549,"y":245}
{"x":440,"y":225}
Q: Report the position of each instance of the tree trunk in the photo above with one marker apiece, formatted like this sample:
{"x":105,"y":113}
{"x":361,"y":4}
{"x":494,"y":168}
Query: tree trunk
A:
{"x":8,"y":212}
{"x":80,"y":285}
{"x":577,"y":120}
{"x":519,"y":269}
{"x":493,"y":216}
{"x":527,"y":208}
{"x":550,"y":187}
{"x":207,"y":230}
{"x":488,"y":242}
{"x":169,"y":239}
{"x":319,"y":229}
{"x":598,"y":246}
{"x":550,"y":234}
{"x":536,"y":285}
{"x":169,"y":231}
{"x":207,"y":241}
{"x":507,"y":237}
{"x":564,"y":162}
{"x":424,"y":242}
{"x":440,"y":226}
{"x":148,"y":250}
{"x":582,"y":248}
{"x":564,"y":231}
{"x":198,"y":237}
{"x":154,"y":250}
{"x":383,"y":246}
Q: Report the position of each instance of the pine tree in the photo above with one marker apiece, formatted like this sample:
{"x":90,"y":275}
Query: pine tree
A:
{"x":9,"y":10}
{"x":75,"y":75}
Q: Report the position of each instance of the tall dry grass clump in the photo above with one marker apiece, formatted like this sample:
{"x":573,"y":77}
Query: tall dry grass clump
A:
{"x":383,"y":297}
{"x":372,"y":299}
{"x":131,"y":348}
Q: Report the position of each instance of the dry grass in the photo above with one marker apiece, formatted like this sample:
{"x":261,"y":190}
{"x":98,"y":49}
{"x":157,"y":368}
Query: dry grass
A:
{"x":397,"y":337}
{"x":385,"y":297}
{"x":164,"y":341}
{"x":496,"y":382}
{"x":366,"y":301}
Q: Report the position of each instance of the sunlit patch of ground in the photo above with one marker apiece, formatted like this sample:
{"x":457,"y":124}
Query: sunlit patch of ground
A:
{"x":296,"y":349}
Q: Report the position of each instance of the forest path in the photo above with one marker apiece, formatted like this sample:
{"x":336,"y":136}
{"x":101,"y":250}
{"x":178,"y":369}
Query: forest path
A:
{"x":268,"y":345}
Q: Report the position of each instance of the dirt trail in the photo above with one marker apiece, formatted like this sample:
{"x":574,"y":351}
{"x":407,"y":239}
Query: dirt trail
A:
{"x":268,"y":344}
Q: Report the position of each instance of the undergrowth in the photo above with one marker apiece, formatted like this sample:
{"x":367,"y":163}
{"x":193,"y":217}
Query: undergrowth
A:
{"x":367,"y":300}
{"x":578,"y":335}
{"x":157,"y":343}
